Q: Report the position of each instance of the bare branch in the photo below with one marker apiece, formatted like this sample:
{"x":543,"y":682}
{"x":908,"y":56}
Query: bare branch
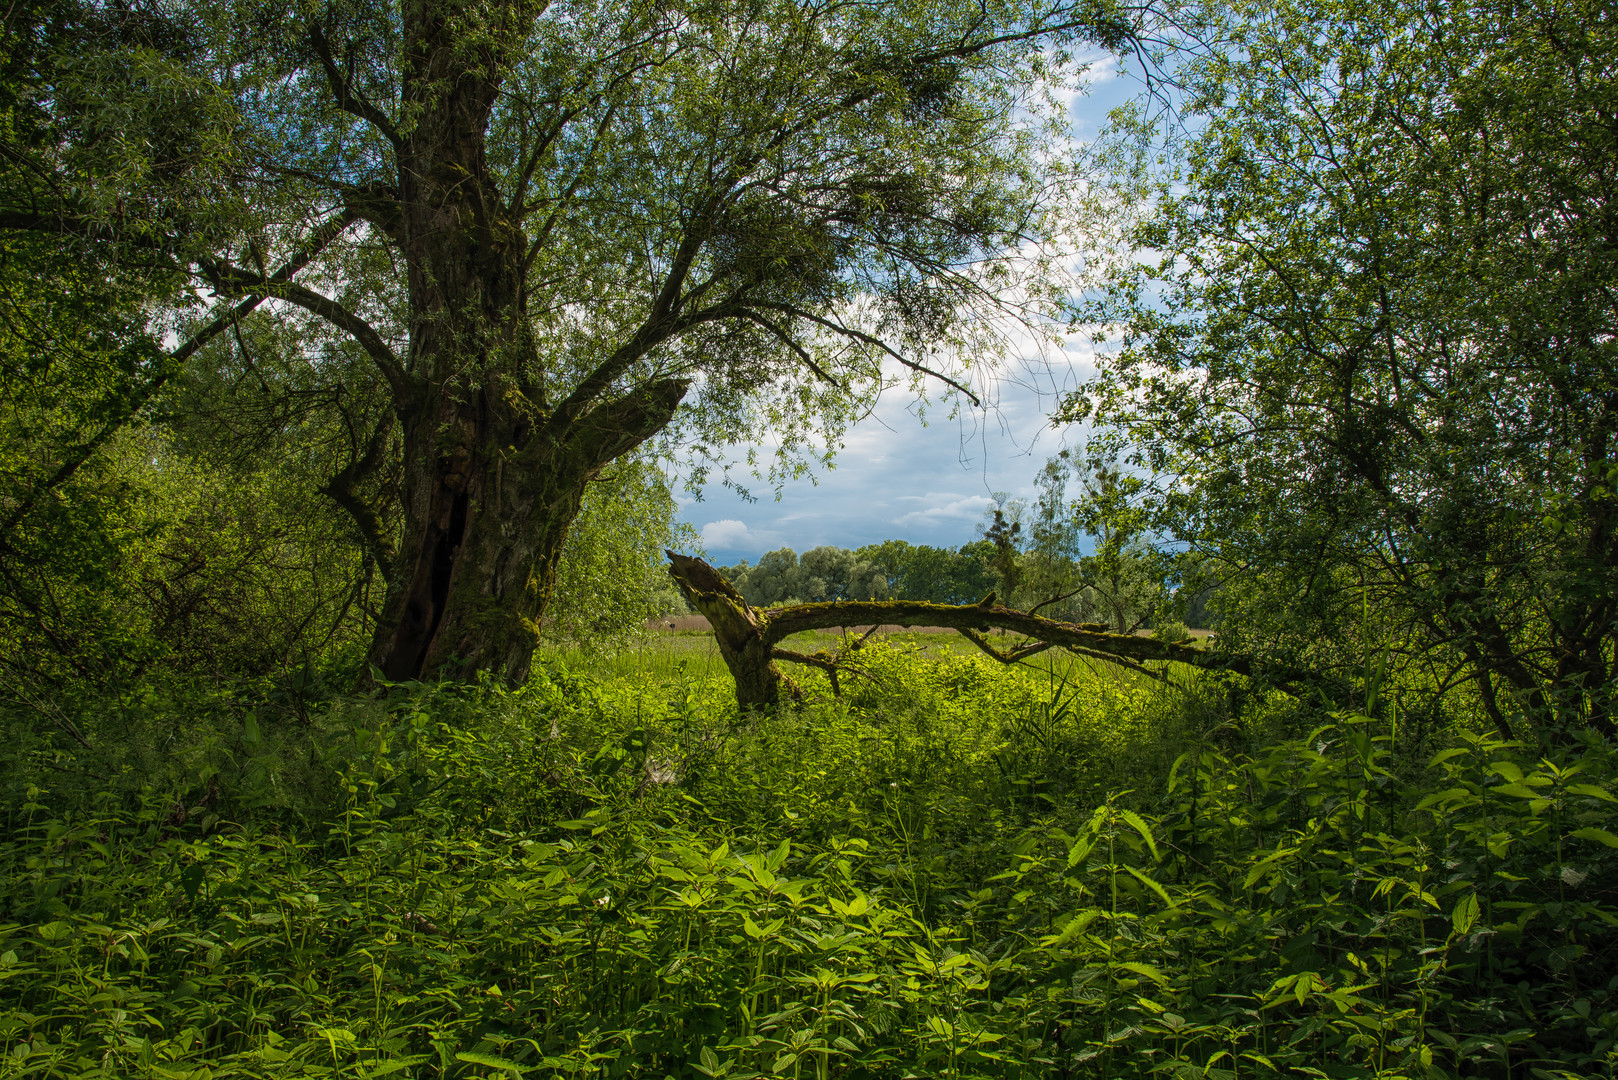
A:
{"x":1055,"y":600}
{"x":653,"y":332}
{"x":860,"y":335}
{"x":784,"y":338}
{"x":833,"y":666}
{"x":348,"y":99}
{"x":1014,"y":655}
{"x":52,"y":711}
{"x":1122,"y":661}
{"x":366,"y":335}
{"x":555,"y":215}
{"x":343,"y":490}
{"x":322,"y":238}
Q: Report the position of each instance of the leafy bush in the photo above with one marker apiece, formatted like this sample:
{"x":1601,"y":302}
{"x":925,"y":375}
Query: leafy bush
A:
{"x":1172,"y":632}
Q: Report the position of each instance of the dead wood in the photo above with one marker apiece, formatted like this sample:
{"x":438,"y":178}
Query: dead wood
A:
{"x":748,"y":637}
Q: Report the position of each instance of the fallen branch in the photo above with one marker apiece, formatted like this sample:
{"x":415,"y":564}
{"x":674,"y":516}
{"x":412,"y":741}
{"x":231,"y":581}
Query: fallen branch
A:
{"x":748,"y":637}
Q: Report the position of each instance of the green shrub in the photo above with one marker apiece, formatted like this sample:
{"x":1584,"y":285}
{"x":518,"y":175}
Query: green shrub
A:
{"x":1172,"y":632}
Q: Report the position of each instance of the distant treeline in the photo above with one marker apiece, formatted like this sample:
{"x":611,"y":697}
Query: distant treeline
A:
{"x":1081,"y":555}
{"x":1127,"y":598}
{"x":893,"y":569}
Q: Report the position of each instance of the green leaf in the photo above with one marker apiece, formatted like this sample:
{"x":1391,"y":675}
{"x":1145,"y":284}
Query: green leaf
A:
{"x":1264,"y":864}
{"x":191,"y":880}
{"x":1150,"y":884}
{"x":1465,"y":914}
{"x":1278,"y":989}
{"x":1072,"y":928}
{"x":492,"y":1062}
{"x":1135,"y":822}
{"x":1147,"y":970}
{"x":1447,"y":795}
{"x":853,"y":908}
{"x":1600,"y":836}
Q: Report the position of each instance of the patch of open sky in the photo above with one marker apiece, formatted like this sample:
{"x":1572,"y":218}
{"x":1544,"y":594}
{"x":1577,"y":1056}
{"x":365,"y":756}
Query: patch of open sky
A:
{"x":909,"y":470}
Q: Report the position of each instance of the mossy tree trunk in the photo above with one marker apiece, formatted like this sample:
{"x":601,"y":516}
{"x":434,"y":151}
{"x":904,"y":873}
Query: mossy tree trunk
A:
{"x":741,"y":631}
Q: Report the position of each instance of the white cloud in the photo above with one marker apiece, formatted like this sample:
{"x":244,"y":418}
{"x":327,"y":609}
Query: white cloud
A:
{"x":945,"y":509}
{"x":727,"y":534}
{"x":733,"y":536}
{"x":896,"y":479}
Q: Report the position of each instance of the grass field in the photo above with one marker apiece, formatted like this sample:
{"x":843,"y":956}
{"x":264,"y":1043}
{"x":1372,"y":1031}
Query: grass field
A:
{"x":664,"y":655}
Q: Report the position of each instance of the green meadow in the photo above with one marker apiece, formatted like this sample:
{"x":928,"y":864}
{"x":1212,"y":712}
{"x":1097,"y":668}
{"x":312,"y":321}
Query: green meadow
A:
{"x":956,"y":869}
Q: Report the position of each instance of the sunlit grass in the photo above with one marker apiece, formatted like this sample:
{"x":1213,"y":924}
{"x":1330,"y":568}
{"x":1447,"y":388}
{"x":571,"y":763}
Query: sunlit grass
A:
{"x":654,"y":657}
{"x":668,"y":656}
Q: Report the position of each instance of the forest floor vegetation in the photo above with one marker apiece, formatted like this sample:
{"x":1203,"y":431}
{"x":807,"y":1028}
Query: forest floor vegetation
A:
{"x":956,"y":869}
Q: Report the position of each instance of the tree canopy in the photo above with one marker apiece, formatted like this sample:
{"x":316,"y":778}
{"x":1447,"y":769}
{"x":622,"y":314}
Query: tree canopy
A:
{"x":1372,"y":364}
{"x":509,"y":243}
{"x":343,"y":315}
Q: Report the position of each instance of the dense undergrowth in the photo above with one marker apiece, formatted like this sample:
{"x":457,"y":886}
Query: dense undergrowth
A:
{"x":956,"y":870}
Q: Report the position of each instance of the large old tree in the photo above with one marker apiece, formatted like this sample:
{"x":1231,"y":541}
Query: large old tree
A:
{"x":519,"y":239}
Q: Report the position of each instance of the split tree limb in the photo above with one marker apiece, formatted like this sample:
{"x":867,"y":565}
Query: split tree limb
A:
{"x":748,"y":637}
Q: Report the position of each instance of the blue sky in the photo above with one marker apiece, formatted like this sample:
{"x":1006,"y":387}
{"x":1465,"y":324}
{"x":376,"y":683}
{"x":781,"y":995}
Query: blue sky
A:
{"x":896,"y":478}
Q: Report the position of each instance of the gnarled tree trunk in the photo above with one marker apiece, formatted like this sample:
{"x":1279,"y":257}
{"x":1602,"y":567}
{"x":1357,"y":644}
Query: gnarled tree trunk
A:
{"x":489,"y":507}
{"x":494,"y":473}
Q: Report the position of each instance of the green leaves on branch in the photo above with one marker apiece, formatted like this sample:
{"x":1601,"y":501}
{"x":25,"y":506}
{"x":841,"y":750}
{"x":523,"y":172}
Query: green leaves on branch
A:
{"x":1372,"y":353}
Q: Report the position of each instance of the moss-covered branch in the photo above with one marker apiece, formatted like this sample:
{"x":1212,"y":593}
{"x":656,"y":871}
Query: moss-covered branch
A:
{"x":748,"y":636}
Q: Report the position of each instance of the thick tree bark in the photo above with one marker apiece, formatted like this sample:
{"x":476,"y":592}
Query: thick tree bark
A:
{"x":494,"y":472}
{"x":748,"y":638}
{"x":486,"y":526}
{"x":494,"y":476}
{"x":743,"y":632}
